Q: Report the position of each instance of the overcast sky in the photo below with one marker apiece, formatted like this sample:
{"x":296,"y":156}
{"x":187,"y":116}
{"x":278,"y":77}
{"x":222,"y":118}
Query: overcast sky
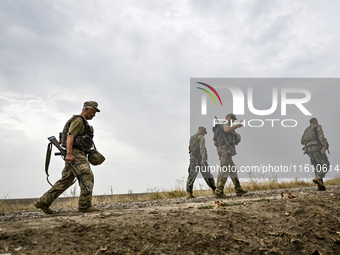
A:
{"x":136,"y":58}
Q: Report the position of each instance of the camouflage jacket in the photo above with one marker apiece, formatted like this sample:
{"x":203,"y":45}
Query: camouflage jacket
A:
{"x":197,"y":147}
{"x":309,"y":136}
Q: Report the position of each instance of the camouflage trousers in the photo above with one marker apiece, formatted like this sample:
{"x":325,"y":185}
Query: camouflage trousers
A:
{"x":318,"y":160}
{"x":228,"y":167}
{"x":194,"y":168}
{"x":67,"y":180}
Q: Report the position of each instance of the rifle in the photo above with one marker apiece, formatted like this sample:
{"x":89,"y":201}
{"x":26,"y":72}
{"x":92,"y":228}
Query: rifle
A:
{"x":73,"y":165}
{"x":225,"y":140}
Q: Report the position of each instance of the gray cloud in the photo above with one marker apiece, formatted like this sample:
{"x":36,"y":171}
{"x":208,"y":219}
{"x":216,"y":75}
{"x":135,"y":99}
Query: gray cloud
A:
{"x":135,"y":58}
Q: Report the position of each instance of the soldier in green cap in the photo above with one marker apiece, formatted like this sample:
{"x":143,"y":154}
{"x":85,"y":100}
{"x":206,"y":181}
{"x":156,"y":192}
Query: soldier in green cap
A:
{"x":315,"y":146}
{"x":77,"y":138}
{"x":225,"y":147}
{"x":198,"y":162}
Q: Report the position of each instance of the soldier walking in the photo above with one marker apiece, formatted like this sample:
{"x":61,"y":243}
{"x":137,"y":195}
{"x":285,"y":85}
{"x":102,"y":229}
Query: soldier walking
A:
{"x":225,"y":139}
{"x":77,"y":138}
{"x":315,"y":146}
{"x":198,"y":162}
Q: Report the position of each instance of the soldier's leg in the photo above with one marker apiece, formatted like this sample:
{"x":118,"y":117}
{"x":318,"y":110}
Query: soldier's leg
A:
{"x":85,"y":198}
{"x":321,"y":166}
{"x":221,"y":181}
{"x":58,"y":188}
{"x":223,"y":174}
{"x":208,"y":177}
{"x":238,"y":188}
{"x":192,"y":174}
{"x":234,"y":177}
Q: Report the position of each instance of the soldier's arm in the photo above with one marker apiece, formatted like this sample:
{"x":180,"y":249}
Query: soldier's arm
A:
{"x":303,"y":139}
{"x":74,"y":130}
{"x":202,"y":147}
{"x":227,"y":128}
{"x":69,"y":149}
{"x":322,"y":137}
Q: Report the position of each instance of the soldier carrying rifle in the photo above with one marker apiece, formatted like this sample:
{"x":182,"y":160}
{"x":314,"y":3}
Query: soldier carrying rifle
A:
{"x":315,"y":146}
{"x":77,"y":137}
{"x":225,"y":139}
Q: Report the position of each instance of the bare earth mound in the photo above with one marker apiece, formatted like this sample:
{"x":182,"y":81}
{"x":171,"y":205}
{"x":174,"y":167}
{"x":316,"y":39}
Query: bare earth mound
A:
{"x":259,"y":223}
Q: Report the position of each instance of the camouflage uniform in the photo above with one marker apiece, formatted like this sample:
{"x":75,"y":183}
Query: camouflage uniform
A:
{"x":228,"y":167}
{"x":67,"y":180}
{"x":314,"y":143}
{"x":82,"y":132}
{"x":196,"y":156}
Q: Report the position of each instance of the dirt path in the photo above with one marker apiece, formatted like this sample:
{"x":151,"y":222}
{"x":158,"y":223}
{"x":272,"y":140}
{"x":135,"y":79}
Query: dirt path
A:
{"x":259,"y":223}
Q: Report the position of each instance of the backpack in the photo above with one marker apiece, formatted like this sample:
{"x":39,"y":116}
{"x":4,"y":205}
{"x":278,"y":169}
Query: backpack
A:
{"x":216,"y":130}
{"x":221,"y":138}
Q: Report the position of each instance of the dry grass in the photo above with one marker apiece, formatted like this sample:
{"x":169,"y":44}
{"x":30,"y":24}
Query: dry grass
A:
{"x":7,"y":205}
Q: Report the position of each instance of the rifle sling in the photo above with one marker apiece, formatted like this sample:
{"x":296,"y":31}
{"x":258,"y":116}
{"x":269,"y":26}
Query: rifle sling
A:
{"x":317,"y":136}
{"x":48,"y":157}
{"x":47,"y":163}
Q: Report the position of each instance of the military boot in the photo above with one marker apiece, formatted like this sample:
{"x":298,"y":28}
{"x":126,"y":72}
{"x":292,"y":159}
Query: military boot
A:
{"x":239,"y":191}
{"x":190,"y":195}
{"x":213,"y":188}
{"x":40,"y":205}
{"x":320,"y":184}
{"x":219,"y":192}
{"x":89,"y":209}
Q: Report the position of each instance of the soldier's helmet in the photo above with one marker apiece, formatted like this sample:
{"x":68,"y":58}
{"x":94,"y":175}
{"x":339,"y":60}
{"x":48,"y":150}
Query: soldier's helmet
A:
{"x":95,"y":157}
{"x":202,"y":128}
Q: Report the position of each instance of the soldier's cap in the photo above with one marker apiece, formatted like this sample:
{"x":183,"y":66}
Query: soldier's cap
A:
{"x":203,"y":128}
{"x":231,"y":115}
{"x":92,"y":104}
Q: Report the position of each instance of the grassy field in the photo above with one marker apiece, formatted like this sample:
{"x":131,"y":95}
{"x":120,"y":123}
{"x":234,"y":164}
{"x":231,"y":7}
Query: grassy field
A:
{"x":7,"y":205}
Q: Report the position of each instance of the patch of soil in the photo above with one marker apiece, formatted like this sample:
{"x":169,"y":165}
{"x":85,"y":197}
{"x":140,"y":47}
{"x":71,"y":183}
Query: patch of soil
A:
{"x":259,"y":223}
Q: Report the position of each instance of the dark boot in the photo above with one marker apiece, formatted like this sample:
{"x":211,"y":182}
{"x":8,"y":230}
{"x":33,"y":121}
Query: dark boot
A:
{"x":318,"y":181}
{"x":219,"y":192}
{"x":213,"y":188}
{"x":89,"y":209}
{"x":239,"y":191}
{"x":190,"y":195}
{"x":40,"y":205}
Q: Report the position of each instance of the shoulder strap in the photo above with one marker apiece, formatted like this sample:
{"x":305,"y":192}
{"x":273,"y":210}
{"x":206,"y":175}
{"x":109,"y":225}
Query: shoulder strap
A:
{"x":317,"y":135}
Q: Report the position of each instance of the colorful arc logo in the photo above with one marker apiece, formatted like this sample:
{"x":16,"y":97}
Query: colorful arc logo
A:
{"x":213,"y":90}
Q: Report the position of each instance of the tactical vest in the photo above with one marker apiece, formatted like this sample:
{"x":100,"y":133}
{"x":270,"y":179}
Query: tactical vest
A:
{"x":311,"y":137}
{"x":81,"y":142}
